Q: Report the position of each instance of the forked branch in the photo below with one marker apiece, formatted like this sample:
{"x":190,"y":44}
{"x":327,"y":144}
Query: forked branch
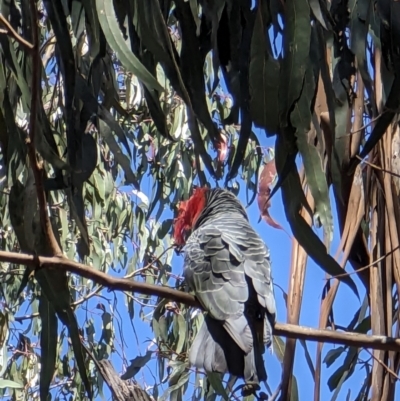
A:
{"x":123,"y":284}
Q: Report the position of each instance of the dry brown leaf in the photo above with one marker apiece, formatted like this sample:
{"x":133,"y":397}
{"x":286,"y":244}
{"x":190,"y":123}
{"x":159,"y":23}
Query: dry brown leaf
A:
{"x":267,"y":176}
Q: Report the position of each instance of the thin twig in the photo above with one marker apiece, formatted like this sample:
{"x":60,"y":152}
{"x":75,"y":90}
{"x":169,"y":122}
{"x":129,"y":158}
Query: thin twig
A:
{"x":365,"y":267}
{"x":13,"y":33}
{"x":87,"y":297}
{"x":274,"y":396}
{"x":368,"y":124}
{"x":149,"y":265}
{"x":384,"y":365}
{"x":73,"y":305}
{"x":120,"y":284}
{"x":378,"y":168}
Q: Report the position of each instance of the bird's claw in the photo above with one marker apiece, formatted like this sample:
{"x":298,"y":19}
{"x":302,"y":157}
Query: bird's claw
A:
{"x":250,"y":388}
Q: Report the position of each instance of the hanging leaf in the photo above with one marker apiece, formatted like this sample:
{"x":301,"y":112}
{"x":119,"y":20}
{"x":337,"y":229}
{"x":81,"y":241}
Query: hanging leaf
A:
{"x":263,"y":79}
{"x":113,"y":34}
{"x":135,"y":365}
{"x":48,"y":345}
{"x":216,"y":383}
{"x":293,"y":198}
{"x":267,"y":176}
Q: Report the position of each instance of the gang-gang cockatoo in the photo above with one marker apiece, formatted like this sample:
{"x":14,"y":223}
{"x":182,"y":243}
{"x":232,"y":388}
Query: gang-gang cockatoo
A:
{"x":227,"y":266}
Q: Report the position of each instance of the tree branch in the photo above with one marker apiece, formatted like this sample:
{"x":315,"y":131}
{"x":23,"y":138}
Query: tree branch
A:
{"x":14,"y":34}
{"x":38,"y":169}
{"x":122,"y":284}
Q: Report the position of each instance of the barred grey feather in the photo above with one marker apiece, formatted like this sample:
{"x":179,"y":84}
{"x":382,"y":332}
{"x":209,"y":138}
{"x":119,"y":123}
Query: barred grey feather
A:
{"x":227,"y":266}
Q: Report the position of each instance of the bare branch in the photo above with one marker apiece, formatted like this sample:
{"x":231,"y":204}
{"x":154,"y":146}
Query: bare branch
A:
{"x":122,"y":284}
{"x":351,"y":339}
{"x":10,"y":31}
{"x":393,"y":373}
{"x":38,"y":169}
{"x":121,"y":389}
{"x":374,"y":166}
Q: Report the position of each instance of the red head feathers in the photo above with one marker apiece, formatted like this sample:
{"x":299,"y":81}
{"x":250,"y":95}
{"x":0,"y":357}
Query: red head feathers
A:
{"x":188,"y":214}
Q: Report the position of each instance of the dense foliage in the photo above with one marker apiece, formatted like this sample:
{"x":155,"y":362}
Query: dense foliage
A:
{"x":140,"y":100}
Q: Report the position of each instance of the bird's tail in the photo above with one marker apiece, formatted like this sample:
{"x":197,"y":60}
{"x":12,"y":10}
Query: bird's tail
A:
{"x":214,"y":350}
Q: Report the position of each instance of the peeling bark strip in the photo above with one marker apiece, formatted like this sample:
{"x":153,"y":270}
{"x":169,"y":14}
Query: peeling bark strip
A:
{"x":121,"y":284}
{"x":122,"y":391}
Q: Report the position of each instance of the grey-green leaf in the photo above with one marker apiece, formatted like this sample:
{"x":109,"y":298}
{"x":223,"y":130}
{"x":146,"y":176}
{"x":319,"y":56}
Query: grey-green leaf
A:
{"x":216,"y":383}
{"x":5,"y":383}
{"x":48,"y":345}
{"x":263,"y":79}
{"x":112,"y":32}
{"x":293,"y":198}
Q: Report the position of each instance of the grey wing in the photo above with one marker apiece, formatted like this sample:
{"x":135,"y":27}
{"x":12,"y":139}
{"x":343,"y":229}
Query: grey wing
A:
{"x":218,"y":279}
{"x":244,"y":240}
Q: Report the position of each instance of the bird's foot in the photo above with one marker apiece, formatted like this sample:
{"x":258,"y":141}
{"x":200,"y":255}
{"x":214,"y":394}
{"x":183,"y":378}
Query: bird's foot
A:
{"x":250,"y":388}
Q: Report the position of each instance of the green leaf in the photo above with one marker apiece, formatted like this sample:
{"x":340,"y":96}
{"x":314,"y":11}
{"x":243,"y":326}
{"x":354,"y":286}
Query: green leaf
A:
{"x":73,"y":331}
{"x":301,"y":121}
{"x":294,"y":394}
{"x":4,"y":336}
{"x":316,"y":180}
{"x":216,"y":383}
{"x":293,"y":199}
{"x":263,"y":79}
{"x":183,"y":379}
{"x":66,"y":54}
{"x":9,"y":51}
{"x":16,"y":148}
{"x":392,"y":104}
{"x":48,"y":345}
{"x":159,"y":325}
{"x":84,"y":92}
{"x":191,"y":63}
{"x":92,"y":27}
{"x":320,"y":48}
{"x":54,"y":285}
{"x":135,"y":365}
{"x":113,"y":34}
{"x":343,"y":373}
{"x":182,"y":330}
{"x":164,"y":228}
{"x":320,"y":13}
{"x":107,"y":333}
{"x":178,"y":367}
{"x":332,"y":355}
{"x":308,"y":357}
{"x":86,"y":160}
{"x":296,"y":44}
{"x":279,"y":348}
{"x":4,"y":383}
{"x":121,"y":158}
{"x":360,"y":20}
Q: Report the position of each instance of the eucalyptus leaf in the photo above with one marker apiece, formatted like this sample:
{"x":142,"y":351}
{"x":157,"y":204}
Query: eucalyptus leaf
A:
{"x":216,"y":383}
{"x":112,"y":32}
{"x":48,"y":345}
{"x":263,"y":79}
{"x":5,"y":383}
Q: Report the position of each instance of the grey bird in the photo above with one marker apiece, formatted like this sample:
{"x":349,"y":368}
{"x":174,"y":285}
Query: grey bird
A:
{"x":227,"y":266}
